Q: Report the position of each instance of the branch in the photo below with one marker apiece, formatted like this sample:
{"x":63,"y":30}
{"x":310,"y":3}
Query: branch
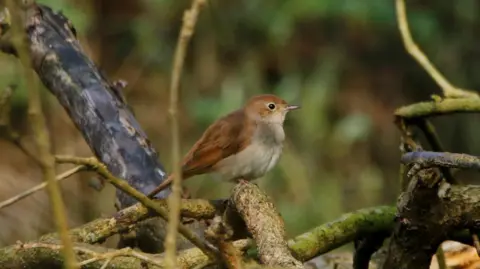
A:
{"x":431,"y":135}
{"x":100,"y":229}
{"x":345,"y":229}
{"x":306,"y":246}
{"x":40,"y":186}
{"x":428,"y":212}
{"x":188,"y":27}
{"x":40,"y":131}
{"x":122,"y":185}
{"x":427,"y":159}
{"x":412,"y":48}
{"x":36,"y":255}
{"x":439,"y":107}
{"x":268,"y":231}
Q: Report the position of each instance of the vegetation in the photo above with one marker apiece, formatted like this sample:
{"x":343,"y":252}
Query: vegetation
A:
{"x":343,"y":61}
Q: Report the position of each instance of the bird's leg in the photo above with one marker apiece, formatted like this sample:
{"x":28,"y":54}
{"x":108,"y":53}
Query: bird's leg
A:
{"x":242,"y":181}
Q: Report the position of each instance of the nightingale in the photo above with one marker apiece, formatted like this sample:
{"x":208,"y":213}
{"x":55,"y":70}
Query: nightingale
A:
{"x":243,"y":145}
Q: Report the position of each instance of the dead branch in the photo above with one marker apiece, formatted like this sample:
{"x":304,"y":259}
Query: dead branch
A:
{"x":428,"y":212}
{"x":186,"y":32}
{"x":40,"y":186}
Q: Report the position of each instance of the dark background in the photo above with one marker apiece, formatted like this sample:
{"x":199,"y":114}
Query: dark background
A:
{"x":342,"y":60}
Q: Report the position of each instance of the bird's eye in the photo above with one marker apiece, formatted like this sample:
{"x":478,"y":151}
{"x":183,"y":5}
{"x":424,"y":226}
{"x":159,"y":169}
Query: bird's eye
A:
{"x":271,"y":106}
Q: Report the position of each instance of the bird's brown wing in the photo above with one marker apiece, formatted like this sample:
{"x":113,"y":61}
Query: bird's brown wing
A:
{"x":223,"y":138}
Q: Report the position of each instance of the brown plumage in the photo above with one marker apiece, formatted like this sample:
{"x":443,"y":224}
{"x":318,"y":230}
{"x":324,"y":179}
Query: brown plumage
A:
{"x":242,"y":145}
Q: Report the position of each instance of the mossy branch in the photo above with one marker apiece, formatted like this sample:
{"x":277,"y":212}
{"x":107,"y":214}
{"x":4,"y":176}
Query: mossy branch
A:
{"x":345,"y":229}
{"x":304,"y":247}
{"x":37,"y":255}
{"x":100,"y":229}
{"x":438,"y":107}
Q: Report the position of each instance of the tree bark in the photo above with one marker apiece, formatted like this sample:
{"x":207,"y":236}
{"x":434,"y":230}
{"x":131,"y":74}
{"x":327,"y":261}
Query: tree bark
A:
{"x":430,"y":211}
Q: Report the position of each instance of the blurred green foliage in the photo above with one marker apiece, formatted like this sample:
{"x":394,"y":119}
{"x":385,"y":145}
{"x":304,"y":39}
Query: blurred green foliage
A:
{"x":342,"y":60}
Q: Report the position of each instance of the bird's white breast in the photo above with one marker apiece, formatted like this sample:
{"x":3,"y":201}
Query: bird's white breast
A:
{"x":257,"y":158}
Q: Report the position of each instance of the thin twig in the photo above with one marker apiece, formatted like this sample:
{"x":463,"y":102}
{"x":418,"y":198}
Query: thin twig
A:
{"x":174,"y":200}
{"x":123,"y":185}
{"x":40,"y":131}
{"x":40,"y":186}
{"x":412,"y":48}
{"x":109,"y":256}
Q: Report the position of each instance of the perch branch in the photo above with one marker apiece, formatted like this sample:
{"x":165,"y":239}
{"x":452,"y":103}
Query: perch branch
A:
{"x":412,"y":48}
{"x":268,"y":231}
{"x":40,"y":131}
{"x":40,"y":186}
{"x":186,"y":32}
{"x":123,"y":185}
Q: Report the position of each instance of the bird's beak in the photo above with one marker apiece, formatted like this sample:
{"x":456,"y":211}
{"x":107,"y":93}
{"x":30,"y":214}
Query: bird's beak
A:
{"x":292,"y":107}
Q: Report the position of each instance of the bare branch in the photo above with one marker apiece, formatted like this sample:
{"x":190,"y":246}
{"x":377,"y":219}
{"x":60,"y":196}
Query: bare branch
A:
{"x":40,"y":186}
{"x":186,"y":32}
{"x":412,"y":48}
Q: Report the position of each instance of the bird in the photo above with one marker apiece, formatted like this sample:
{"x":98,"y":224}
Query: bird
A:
{"x":240,"y":146}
